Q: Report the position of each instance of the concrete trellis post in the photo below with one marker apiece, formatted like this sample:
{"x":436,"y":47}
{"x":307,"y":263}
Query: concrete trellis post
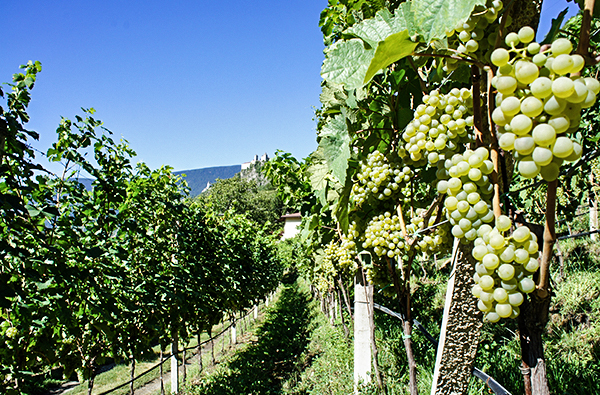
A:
{"x":174,"y":365}
{"x":363,"y":327}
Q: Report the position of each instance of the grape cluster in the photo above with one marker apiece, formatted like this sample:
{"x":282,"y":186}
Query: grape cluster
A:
{"x":439,"y":126}
{"x":437,"y":241}
{"x":384,"y":235}
{"x":539,"y":102}
{"x":379,"y":177}
{"x":476,"y":36}
{"x":504,"y":268}
{"x":468,"y":191}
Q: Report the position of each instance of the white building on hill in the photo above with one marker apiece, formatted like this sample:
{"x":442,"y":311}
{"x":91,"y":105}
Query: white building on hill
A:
{"x":291,"y":226}
{"x":263,"y":158}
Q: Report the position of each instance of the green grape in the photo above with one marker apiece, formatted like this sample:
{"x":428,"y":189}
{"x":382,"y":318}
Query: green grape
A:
{"x":526,"y":285}
{"x":506,"y":84}
{"x":528,"y":168}
{"x":541,"y":87}
{"x":507,"y":255}
{"x":526,"y":34}
{"x":533,"y":48}
{"x":500,"y":57}
{"x":544,"y":134}
{"x":563,"y":87}
{"x":521,"y":234}
{"x":532,"y":265}
{"x":554,"y":105}
{"x":521,"y":124}
{"x":550,"y":172}
{"x":524,"y":145}
{"x":491,"y":316}
{"x":484,"y":307}
{"x":510,"y":105}
{"x":579,"y":94}
{"x":479,"y":252}
{"x":563,"y":147}
{"x":500,"y":295}
{"x":526,"y":72}
{"x":506,"y":271}
{"x":521,"y":256}
{"x":497,"y":241}
{"x":561,"y":46}
{"x":512,"y":39}
{"x":507,"y":141}
{"x":531,"y":106}
{"x":499,"y":117}
{"x":503,"y":223}
{"x":510,"y":285}
{"x":504,"y":310}
{"x":515,"y":298}
{"x":562,"y":64}
{"x":490,"y":261}
{"x":560,"y":123}
{"x":592,"y":84}
{"x":539,"y":60}
{"x":576,"y":154}
{"x":542,"y":156}
{"x":486,"y":282}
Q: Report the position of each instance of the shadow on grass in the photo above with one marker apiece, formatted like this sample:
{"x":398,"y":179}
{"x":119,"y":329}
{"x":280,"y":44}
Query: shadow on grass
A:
{"x":264,"y":366}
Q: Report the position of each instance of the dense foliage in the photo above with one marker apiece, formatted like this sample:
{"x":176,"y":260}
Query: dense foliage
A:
{"x":88,"y":275}
{"x":443,"y":121}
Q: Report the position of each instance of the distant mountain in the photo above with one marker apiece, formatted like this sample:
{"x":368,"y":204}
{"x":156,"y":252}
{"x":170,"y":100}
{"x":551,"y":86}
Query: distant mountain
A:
{"x":198,"y":179}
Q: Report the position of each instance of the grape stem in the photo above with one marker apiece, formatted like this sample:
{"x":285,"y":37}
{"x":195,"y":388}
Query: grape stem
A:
{"x":454,"y":57}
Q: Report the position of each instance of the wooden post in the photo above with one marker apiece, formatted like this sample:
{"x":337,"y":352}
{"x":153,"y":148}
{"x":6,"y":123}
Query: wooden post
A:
{"x":256,"y":311}
{"x":363,"y":325}
{"x":174,"y":364}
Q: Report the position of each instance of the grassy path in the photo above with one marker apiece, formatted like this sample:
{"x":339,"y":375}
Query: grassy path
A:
{"x":265,"y":365}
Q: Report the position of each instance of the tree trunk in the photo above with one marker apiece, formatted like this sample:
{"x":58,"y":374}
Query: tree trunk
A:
{"x":131,"y":390}
{"x":162,"y":382}
{"x":199,"y":353}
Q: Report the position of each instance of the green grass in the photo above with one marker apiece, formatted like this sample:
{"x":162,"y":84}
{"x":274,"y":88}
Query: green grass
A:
{"x":120,"y":373}
{"x":266,"y":365}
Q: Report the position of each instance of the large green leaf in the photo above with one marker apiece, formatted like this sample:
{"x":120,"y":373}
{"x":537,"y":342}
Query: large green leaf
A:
{"x":335,"y":141}
{"x":347,"y":63}
{"x":375,"y":29}
{"x":392,"y":49}
{"x":317,"y":174}
{"x":435,"y":17}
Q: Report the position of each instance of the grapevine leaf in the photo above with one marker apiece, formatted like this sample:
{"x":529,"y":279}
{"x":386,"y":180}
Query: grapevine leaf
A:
{"x":335,"y":141}
{"x":375,"y":29}
{"x":347,"y":63}
{"x":317,"y":174}
{"x":392,"y":49}
{"x":436,"y":17}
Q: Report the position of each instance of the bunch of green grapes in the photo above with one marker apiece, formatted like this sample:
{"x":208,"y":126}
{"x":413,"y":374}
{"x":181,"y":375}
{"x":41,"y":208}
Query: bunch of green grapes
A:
{"x":324,"y":271}
{"x":379,"y":177}
{"x":429,"y":243}
{"x":468,"y":191}
{"x":539,"y":102}
{"x":384,"y":236}
{"x":476,"y":36}
{"x":440,"y":125}
{"x":347,"y":251}
{"x":504,"y":268}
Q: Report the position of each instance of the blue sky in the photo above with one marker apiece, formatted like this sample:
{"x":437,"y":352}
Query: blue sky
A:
{"x":190,"y":84}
